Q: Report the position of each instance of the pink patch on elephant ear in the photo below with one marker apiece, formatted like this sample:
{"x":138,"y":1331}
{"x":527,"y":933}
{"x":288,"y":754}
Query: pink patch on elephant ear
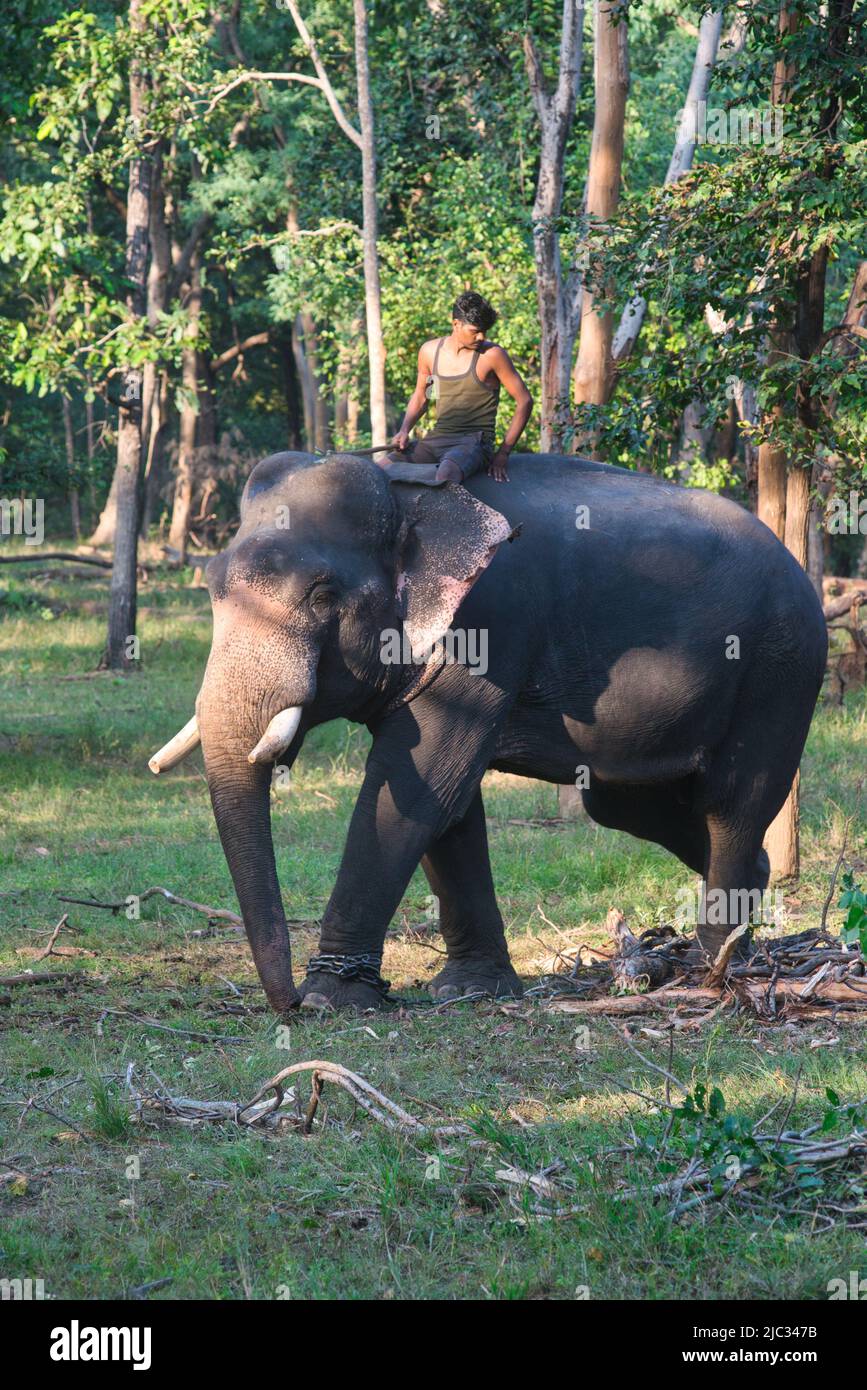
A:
{"x":456,"y":537}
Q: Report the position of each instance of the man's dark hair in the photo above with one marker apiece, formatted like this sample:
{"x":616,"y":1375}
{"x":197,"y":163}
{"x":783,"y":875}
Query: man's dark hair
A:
{"x":475,"y":310}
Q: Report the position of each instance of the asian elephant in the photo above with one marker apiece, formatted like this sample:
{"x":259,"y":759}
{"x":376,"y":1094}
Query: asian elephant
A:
{"x":658,"y":638}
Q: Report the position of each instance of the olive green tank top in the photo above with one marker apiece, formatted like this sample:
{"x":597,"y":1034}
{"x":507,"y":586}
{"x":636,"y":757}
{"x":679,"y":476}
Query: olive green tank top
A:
{"x":464,"y":404}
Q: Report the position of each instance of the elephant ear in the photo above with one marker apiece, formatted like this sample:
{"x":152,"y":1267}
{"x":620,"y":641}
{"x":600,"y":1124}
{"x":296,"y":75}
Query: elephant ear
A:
{"x":446,"y":541}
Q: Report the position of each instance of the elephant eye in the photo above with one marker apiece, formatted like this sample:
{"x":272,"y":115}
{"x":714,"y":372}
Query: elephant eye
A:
{"x":321,"y":599}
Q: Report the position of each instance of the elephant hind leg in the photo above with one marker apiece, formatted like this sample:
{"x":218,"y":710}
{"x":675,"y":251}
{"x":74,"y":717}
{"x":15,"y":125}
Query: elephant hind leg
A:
{"x":458,"y":869}
{"x":736,"y":876}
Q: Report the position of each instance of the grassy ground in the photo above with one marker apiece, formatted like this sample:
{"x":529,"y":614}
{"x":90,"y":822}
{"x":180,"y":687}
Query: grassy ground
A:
{"x":352,"y":1211}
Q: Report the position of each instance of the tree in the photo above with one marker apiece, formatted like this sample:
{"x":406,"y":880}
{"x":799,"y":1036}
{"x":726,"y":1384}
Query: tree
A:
{"x":119,"y":651}
{"x":593,"y":369}
{"x":558,"y":293}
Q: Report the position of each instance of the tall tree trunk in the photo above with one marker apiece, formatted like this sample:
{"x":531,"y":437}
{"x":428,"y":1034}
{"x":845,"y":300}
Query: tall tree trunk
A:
{"x":594,"y":368}
{"x":558,"y":294}
{"x":292,"y":390}
{"x":372,"y":293}
{"x":345,"y":396}
{"x":305,"y":381}
{"x":316,"y":414}
{"x":155,"y":385}
{"x":69,"y":437}
{"x":185,"y":478}
{"x":771,"y":505}
{"x":120,"y":651}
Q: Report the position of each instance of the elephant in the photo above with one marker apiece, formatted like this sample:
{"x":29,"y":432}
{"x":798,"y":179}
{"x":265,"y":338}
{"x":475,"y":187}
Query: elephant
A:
{"x":582,"y":624}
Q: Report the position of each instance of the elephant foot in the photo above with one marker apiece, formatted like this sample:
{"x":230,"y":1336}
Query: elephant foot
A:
{"x":708,"y":943}
{"x":480,"y":975}
{"x":326,"y":993}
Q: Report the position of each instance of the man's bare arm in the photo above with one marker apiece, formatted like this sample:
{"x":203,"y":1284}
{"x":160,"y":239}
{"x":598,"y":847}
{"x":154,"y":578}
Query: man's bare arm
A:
{"x":418,"y":401}
{"x":516,"y":387}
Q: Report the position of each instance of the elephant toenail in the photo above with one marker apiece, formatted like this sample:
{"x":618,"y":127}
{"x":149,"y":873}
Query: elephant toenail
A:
{"x":316,"y":1001}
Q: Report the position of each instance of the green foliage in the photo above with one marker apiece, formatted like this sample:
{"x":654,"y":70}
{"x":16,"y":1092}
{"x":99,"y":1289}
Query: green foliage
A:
{"x":724,"y":1141}
{"x":853,"y":901}
{"x":718,"y":257}
{"x":457,"y":150}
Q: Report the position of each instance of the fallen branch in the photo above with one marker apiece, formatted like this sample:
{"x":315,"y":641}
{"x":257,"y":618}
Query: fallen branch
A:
{"x":632,"y":1003}
{"x":48,"y":977}
{"x":719,"y":969}
{"x":843,"y":603}
{"x":217,"y":913}
{"x":47,"y":949}
{"x":262,"y":1110}
{"x":55,"y":555}
{"x":165,"y":1028}
{"x":386,"y":1111}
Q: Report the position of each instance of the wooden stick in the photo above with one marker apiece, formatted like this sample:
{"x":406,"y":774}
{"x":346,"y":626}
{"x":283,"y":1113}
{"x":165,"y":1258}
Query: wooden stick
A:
{"x":388,"y":1112}
{"x":55,"y":555}
{"x":46,"y":951}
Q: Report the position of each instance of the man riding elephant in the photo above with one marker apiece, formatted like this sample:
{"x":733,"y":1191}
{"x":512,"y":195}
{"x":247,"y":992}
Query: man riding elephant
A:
{"x":462,"y":374}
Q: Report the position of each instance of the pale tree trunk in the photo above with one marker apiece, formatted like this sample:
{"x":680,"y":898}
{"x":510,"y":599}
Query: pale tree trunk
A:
{"x":69,"y":437}
{"x":594,"y":368}
{"x":558,"y":294}
{"x":317,"y":423}
{"x":771,"y":506}
{"x":747,"y":410}
{"x":120,"y":652}
{"x":90,"y":438}
{"x":372,"y":293}
{"x":682,"y":156}
{"x":345,"y":398}
{"x":816,"y":546}
{"x":305,"y":380}
{"x":185,"y":478}
{"x":155,"y":384}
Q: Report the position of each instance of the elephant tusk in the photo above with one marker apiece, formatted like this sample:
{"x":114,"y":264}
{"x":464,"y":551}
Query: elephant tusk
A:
{"x":177,"y":748}
{"x":277,"y":737}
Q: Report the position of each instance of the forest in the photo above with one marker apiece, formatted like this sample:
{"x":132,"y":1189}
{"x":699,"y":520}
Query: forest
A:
{"x":226,"y":231}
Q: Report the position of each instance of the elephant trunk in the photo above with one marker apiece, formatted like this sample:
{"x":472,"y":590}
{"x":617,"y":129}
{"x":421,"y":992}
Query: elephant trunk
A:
{"x":240,"y":796}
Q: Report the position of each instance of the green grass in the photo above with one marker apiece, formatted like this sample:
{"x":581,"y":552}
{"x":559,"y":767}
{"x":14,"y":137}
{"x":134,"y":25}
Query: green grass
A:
{"x":352,"y":1211}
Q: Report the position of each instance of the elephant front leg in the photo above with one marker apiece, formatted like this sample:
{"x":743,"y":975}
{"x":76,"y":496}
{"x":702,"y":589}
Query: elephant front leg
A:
{"x":458,"y":869}
{"x":423,"y":772}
